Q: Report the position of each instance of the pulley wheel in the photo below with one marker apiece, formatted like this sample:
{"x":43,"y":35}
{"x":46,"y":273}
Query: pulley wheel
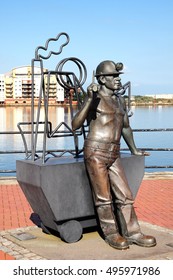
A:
{"x":82,"y":73}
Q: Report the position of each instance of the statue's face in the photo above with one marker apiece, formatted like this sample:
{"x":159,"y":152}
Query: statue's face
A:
{"x":112,"y":82}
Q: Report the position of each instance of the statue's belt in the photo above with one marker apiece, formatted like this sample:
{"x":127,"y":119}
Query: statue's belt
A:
{"x":106,"y":146}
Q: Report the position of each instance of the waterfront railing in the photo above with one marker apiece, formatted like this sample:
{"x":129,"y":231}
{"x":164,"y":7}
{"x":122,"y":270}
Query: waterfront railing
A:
{"x":61,"y":152}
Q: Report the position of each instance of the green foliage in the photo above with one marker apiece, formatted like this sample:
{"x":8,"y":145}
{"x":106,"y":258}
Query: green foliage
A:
{"x":140,"y":100}
{"x":143,"y":99}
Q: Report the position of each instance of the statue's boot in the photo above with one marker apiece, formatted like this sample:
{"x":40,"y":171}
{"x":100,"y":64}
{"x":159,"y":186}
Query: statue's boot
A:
{"x":130,"y":228}
{"x":109,"y":228}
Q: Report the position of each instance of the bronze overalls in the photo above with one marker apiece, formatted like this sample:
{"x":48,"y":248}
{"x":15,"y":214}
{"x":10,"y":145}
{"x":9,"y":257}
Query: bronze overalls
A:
{"x":107,"y":175}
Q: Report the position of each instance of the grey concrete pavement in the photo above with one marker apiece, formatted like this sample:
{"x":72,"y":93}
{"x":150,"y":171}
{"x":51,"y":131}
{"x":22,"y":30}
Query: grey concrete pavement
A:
{"x":90,"y":247}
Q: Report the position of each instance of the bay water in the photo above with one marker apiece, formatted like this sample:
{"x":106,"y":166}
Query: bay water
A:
{"x":146,"y":118}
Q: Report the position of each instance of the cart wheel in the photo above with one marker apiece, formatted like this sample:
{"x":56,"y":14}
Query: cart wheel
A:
{"x":44,"y":228}
{"x":71,"y":231}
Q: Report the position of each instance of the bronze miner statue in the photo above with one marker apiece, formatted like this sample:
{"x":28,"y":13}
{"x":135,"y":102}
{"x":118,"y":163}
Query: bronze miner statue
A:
{"x":107,"y":117}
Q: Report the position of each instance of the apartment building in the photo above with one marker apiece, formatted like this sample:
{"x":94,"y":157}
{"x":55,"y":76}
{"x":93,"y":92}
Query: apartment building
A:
{"x":16,"y":86}
{"x":2,"y":89}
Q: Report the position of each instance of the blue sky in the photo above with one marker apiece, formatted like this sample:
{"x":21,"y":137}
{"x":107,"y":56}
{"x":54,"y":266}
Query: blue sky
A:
{"x":138,"y":33}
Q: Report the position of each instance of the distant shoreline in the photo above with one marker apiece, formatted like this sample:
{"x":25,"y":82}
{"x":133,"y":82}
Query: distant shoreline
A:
{"x":133,"y":104}
{"x":136,"y":101}
{"x":152,"y":104}
{"x":36,"y":105}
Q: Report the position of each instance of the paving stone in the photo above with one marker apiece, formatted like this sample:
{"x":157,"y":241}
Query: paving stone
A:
{"x":37,"y":258}
{"x":7,"y":243}
{"x":4,"y":232}
{"x":18,"y":257}
{"x":30,"y":255}
{"x":24,"y":251}
{"x":4,"y":249}
{"x":13,"y":253}
{"x":2,"y":239}
{"x":17,"y":248}
{"x":12,"y":245}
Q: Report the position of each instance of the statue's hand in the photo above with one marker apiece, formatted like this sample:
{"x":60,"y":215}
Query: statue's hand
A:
{"x":139,"y":152}
{"x":92,"y":88}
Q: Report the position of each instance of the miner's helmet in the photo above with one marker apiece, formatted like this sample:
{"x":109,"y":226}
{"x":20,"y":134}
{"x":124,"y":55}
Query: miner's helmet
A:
{"x":108,"y":68}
